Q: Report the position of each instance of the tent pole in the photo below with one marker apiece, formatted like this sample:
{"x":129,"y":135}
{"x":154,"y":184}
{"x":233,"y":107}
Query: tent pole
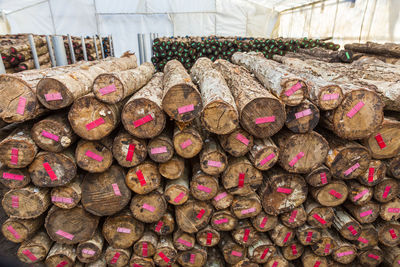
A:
{"x":101,"y":47}
{"x":71,"y":49}
{"x":51,"y":52}
{"x":95,"y":46}
{"x":33,"y":50}
{"x":84,"y":48}
{"x":59,"y":50}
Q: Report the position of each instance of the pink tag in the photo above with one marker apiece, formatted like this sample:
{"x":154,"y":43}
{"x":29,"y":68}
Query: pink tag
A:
{"x":392,"y":233}
{"x":309,"y":236}
{"x":200,"y":214}
{"x":284,"y":190}
{"x":330,"y":97}
{"x":242,"y":139}
{"x":123,"y":230}
{"x":13,"y":232}
{"x":186,"y":144}
{"x":88,"y":251}
{"x":287,"y":237}
{"x":186,"y":109}
{"x":144,"y":249}
{"x":352,"y":230}
{"x":65,"y":234}
{"x":224,"y":220}
{"x":116,"y":189}
{"x":363,"y":240}
{"x":184,"y":242}
{"x":267,"y":158}
{"x":303,"y":113}
{"x":204,"y":188}
{"x":141,"y":178}
{"x":115,"y":258}
{"x":294,"y":249}
{"x":62,"y":199}
{"x":296,"y":159}
{"x":355,"y":109}
{"x":246,"y":235}
{"x":360,"y":195}
{"x":371,"y":172}
{"x":317,"y":264}
{"x":346,"y":253}
{"x":131,"y":150}
{"x":293,"y":216}
{"x":214,"y":163}
{"x":94,"y":156}
{"x":15,"y":202}
{"x":192,"y":258}
{"x":351,"y":169}
{"x":209,"y":238}
{"x":275,"y":264}
{"x":159,"y":225}
{"x":53,"y":97}
{"x":142,"y":121}
{"x":393,"y":210}
{"x":293,"y":89}
{"x":14,"y":156}
{"x":50,"y":171}
{"x":380,"y":141}
{"x":324,"y":179}
{"x":236,"y":253}
{"x":318,"y":218}
{"x":262,"y":120}
{"x":62,"y":264}
{"x":21,"y":105}
{"x":373,"y":256}
{"x":159,"y":150}
{"x":365,"y":213}
{"x":386,"y":192}
{"x":50,"y":136}
{"x":149,"y":207}
{"x":220,"y":196}
{"x":108,"y":89}
{"x":246,"y":211}
{"x":179,"y":197}
{"x":335,"y":194}
{"x":241,"y":180}
{"x":162,"y":256}
{"x":29,"y":254}
{"x":12,"y":176}
{"x":327,"y":248}
{"x":95,"y":123}
{"x":264,"y":253}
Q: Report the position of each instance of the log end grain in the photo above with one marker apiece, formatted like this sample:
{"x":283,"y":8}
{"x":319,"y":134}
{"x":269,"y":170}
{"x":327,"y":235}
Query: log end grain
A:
{"x":105,"y":81}
{"x":219,"y":117}
{"x":50,"y":86}
{"x":330,"y":97}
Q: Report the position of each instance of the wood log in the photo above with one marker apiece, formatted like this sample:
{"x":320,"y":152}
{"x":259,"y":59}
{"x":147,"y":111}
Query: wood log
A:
{"x":142,"y":115}
{"x":301,"y":153}
{"x":233,"y":252}
{"x":359,"y":194}
{"x":177,"y":192}
{"x":92,"y":119}
{"x":203,"y":186}
{"x":196,"y":257}
{"x":277,"y":260}
{"x":240,"y":177}
{"x":173,"y":168}
{"x":208,"y":237}
{"x":390,"y":211}
{"x":263,"y":154}
{"x":165,"y":253}
{"x":105,"y":193}
{"x":215,"y":258}
{"x":302,"y":118}
{"x":223,"y":220}
{"x":383,"y":143}
{"x":51,"y":169}
{"x":146,"y":245}
{"x":14,"y":178}
{"x":183,"y":241}
{"x":319,"y":176}
{"x":213,"y":159}
{"x":346,"y":225}
{"x":81,"y":225}
{"x":318,"y":215}
{"x":34,"y":249}
{"x":264,"y":222}
{"x":393,"y":167}
{"x":77,"y":82}
{"x":222,"y":200}
{"x":345,"y":252}
{"x":115,"y":86}
{"x":368,"y":238}
{"x":90,"y":250}
{"x":193,"y":215}
{"x":391,"y":256}
{"x":141,"y":261}
{"x":181,"y":100}
{"x":295,"y":218}
{"x":53,"y":133}
{"x":219,"y":115}
{"x":61,"y":254}
{"x":282,"y":192}
{"x":246,"y":206}
{"x":165,"y":225}
{"x":370,"y":257}
{"x":325,"y":245}
{"x":237,"y":143}
{"x":260,"y":251}
{"x":260,"y":113}
{"x":388,"y":233}
{"x":308,"y":235}
{"x":245,"y":263}
{"x":374,"y":174}
{"x":367,"y":213}
{"x":293,"y":251}
{"x":18,"y":149}
{"x":118,"y":257}
{"x":291,"y":89}
{"x":122,"y":230}
{"x":330,"y":195}
{"x":309,"y":259}
{"x":17,"y":230}
{"x":386,"y":190}
{"x":149,"y":208}
{"x":281,"y":235}
{"x":161,"y":147}
{"x":143,"y":178}
{"x":188,"y":142}
{"x":67,"y":196}
{"x":128,"y":150}
{"x":26,"y":203}
{"x":375,"y":48}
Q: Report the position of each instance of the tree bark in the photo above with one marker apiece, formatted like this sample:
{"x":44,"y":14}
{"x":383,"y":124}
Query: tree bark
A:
{"x":237,"y":143}
{"x":17,"y":230}
{"x":128,"y":150}
{"x":143,"y":178}
{"x":35,"y":249}
{"x":391,"y":256}
{"x":346,"y":225}
{"x":90,"y":250}
{"x":61,"y":254}
{"x":393,"y":167}
{"x":387,"y":49}
{"x":263,"y":154}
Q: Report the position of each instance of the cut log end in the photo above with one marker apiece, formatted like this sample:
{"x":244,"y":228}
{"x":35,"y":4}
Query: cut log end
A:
{"x":220,"y":118}
{"x":330,"y":97}
{"x":108,"y":80}
{"x":291,"y":98}
{"x":50,"y":87}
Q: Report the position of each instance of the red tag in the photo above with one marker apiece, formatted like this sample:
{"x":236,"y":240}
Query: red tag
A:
{"x":94,"y":124}
{"x":287,"y":237}
{"x":275,"y":264}
{"x":327,"y":247}
{"x":179,"y":197}
{"x":352,"y":230}
{"x":142,"y":121}
{"x":241,"y":180}
{"x":371,"y":172}
{"x":264,"y":253}
{"x":131,"y":150}
{"x":49,"y":171}
{"x":144,"y":249}
{"x":324,"y":179}
{"x":335,"y":194}
{"x":30,"y":255}
{"x":140,"y":177}
{"x":162,"y":256}
{"x":373,"y":256}
{"x":209,"y":238}
{"x":309,"y":236}
{"x":263,"y":222}
{"x":294,"y":249}
{"x":392,"y":233}
{"x":284,"y":190}
{"x":192,"y":258}
{"x":15,"y":202}
{"x":319,"y":219}
{"x":380,"y":141}
{"x":115,"y":258}
{"x":317,"y":264}
{"x":158,"y":226}
{"x":386,"y":192}
{"x":200,"y":214}
{"x":363,"y":240}
{"x":246,"y":235}
{"x":62,"y":264}
{"x":293,"y":216}
{"x":115,"y":187}
{"x":137,"y":265}
{"x":14,"y":156}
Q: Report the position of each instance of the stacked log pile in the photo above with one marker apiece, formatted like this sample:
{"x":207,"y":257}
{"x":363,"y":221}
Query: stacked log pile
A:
{"x":258,"y":162}
{"x":388,"y":52}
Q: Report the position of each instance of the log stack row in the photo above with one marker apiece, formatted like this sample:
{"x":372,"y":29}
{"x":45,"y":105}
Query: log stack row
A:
{"x":253,"y":162}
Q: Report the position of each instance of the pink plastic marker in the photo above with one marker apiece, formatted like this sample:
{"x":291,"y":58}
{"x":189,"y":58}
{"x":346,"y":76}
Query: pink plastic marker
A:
{"x":363,"y":240}
{"x":186,"y":109}
{"x":50,"y":171}
{"x":21,"y":105}
{"x":143,"y":120}
{"x":14,"y":156}
{"x":220,"y":196}
{"x":62,"y":264}
{"x":213,"y":163}
{"x":144,"y":249}
{"x":66,"y":200}
{"x":293,"y":89}
{"x":185,"y":242}
{"x":158,"y":226}
{"x":352,"y":230}
{"x":265,"y":252}
{"x":148,"y":207}
{"x":263,"y":222}
{"x":116,"y":189}
{"x":317,"y":264}
{"x":262,"y":120}
{"x":162,"y":256}
{"x":93,"y":155}
{"x":131,"y":150}
{"x":241,"y":180}
{"x":345,"y":253}
{"x":309,"y":236}
{"x":242,"y":139}
{"x":12,"y":176}
{"x":53,"y":97}
{"x":246,"y":234}
{"x":186,"y":143}
{"x":267,"y":159}
{"x":386,"y":191}
{"x":365,"y":213}
{"x":327,"y":248}
{"x":373,"y":256}
{"x":204,"y":188}
{"x":95,"y":123}
{"x":296,"y":159}
{"x":393,"y":210}
{"x":141,"y":178}
{"x":30,"y":255}
{"x":246,"y":211}
{"x":209,"y":238}
{"x":327,"y":97}
{"x":294,"y":249}
{"x":13,"y":232}
{"x":275,"y":264}
{"x":352,"y":169}
{"x":158,"y":150}
{"x":115,"y":258}
{"x":179,"y":197}
{"x":192,"y":258}
{"x":50,"y":136}
{"x":284,"y":190}
{"x":293,"y":216}
{"x":324,"y":179}
{"x":65,"y":234}
{"x":236,"y":253}
{"x":123,"y":230}
{"x":380,"y":141}
{"x":303,"y":113}
{"x":335,"y":194}
{"x":108,"y":89}
{"x":15,"y":202}
{"x":88,"y":251}
{"x":355,"y":109}
{"x":287,"y":237}
{"x":200,"y":214}
{"x":392,"y":233}
{"x":319,"y":218}
{"x":371,"y":172}
{"x":360,"y":195}
{"x":224,"y":220}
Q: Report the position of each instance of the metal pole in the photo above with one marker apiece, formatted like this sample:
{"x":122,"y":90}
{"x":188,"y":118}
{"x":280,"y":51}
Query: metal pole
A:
{"x":140,"y":48}
{"x":144,"y":47}
{"x":110,"y":44}
{"x":51,"y":53}
{"x":71,"y":49}
{"x":84,"y":48}
{"x":102,"y":48}
{"x":59,"y":50}
{"x":33,"y":50}
{"x":151,"y":43}
{"x":95,"y":46}
{"x":2,"y":68}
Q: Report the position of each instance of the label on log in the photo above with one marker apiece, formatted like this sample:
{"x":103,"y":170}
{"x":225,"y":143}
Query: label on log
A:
{"x":159,"y":150}
{"x":236,"y":253}
{"x":186,"y":144}
{"x":303,"y":113}
{"x":53,"y":97}
{"x":162,"y":256}
{"x":115,"y":258}
{"x":200,"y":214}
{"x":296,"y":159}
{"x":393,"y":210}
{"x":317,"y":264}
{"x":250,"y":210}
{"x":131,"y":150}
{"x":93,"y":155}
{"x":265,"y":252}
{"x":158,"y":226}
{"x":142,"y":121}
{"x":327,"y":97}
{"x":62,"y":264}
{"x":373,"y":256}
{"x":360,"y":195}
{"x":284,"y":190}
{"x":262,"y":120}
{"x":144,"y":249}
{"x":355,"y":109}
{"x":184,"y":242}
{"x":324,"y":179}
{"x":137,"y":265}
{"x":365,"y":213}
{"x":12,"y":176}
{"x":293,"y":216}
{"x":213,"y":163}
{"x":209,"y":238}
{"x":21,"y":105}
{"x":50,"y":136}
{"x":13,"y":232}
{"x":148,"y":207}
{"x":15,"y":202}
{"x":220,"y":196}
{"x":185,"y":109}
{"x":179,"y":197}
{"x":267,"y":159}
{"x":116,"y":189}
{"x":263,"y":222}
{"x":352,"y":230}
{"x":294,"y":249}
{"x":380,"y":141}
{"x":287,"y":237}
{"x":242,"y":139}
{"x":192,"y":258}
{"x":204,"y":188}
{"x":327,"y":248}
{"x":49,"y":171}
{"x":14,"y":156}
{"x":140,"y":177}
{"x":275,"y":264}
{"x":224,"y":220}
{"x":351,"y":169}
{"x":293,"y":89}
{"x":241,"y":180}
{"x":246,"y":235}
{"x":30,"y":255}
{"x":319,"y":219}
{"x":371,"y":172}
{"x":88,"y":251}
{"x":392,"y":233}
{"x":62,"y":199}
{"x":363,"y":240}
{"x":108,"y":89}
{"x":386,"y":191}
{"x":309,"y":236}
{"x":95,"y":123}
{"x":123,"y":230}
{"x":65,"y":234}
{"x":345,"y":253}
